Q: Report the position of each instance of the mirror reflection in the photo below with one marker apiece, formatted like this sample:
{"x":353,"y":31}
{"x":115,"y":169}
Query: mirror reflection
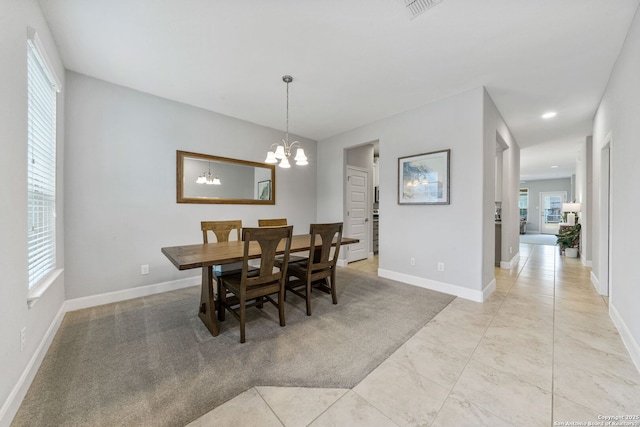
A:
{"x":203,"y":178}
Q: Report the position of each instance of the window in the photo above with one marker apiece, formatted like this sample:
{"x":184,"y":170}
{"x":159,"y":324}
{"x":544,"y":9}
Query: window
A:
{"x":523,"y":203}
{"x":42,"y":88}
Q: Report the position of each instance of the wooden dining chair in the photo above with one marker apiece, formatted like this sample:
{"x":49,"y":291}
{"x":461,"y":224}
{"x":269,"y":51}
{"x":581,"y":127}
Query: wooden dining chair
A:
{"x":318,"y":270}
{"x":258,"y":285}
{"x":222,"y":230}
{"x":280,"y":222}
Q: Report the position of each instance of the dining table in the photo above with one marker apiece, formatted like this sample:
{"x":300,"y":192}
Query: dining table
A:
{"x":207,"y":255}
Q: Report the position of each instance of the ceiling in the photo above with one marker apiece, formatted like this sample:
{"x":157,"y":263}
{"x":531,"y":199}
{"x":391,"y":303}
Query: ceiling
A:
{"x":357,"y":61}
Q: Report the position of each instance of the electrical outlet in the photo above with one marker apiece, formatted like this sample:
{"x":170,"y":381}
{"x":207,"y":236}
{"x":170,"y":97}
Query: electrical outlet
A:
{"x":441,"y":266}
{"x":144,"y":269}
{"x":412,"y":261}
{"x":510,"y":250}
{"x":23,"y":338}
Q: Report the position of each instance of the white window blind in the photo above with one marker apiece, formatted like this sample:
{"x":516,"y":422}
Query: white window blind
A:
{"x":41,"y":169}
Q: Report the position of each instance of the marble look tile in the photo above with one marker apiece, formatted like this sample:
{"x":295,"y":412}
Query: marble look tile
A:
{"x":459,"y":412}
{"x":449,"y":336}
{"x":525,"y":353}
{"x":524,"y":291}
{"x":406,"y":398}
{"x":579,"y":303}
{"x":243,"y":409}
{"x":438,"y":363}
{"x":606,"y":382}
{"x":476,"y":323}
{"x":517,"y":402}
{"x":565,"y":411}
{"x":602,"y":337}
{"x":352,"y":410}
{"x":537,"y":317}
{"x":299,"y":406}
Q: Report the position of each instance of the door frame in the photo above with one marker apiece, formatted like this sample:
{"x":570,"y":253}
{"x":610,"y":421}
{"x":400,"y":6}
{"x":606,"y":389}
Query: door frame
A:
{"x":606,"y":202}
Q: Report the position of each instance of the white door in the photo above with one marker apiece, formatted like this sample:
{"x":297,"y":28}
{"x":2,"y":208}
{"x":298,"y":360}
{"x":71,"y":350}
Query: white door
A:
{"x":551,"y":211}
{"x":357,"y":213}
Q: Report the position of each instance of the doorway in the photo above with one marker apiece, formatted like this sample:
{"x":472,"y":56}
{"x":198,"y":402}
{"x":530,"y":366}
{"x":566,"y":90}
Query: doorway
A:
{"x":551,"y":211}
{"x":357,"y":204}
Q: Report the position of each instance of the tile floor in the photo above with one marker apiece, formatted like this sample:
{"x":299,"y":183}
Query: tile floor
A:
{"x":541,"y":351}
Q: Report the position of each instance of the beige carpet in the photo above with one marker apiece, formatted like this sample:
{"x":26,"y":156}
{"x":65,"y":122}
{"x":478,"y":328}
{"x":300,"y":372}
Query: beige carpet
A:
{"x":150,"y":361}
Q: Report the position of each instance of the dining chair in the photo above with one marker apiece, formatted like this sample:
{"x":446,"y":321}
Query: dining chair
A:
{"x":280,"y":222}
{"x":318,"y":270}
{"x":222,"y":230}
{"x":258,"y":285}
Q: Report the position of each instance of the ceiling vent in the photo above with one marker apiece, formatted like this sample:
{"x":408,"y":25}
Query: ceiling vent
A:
{"x":417,"y":7}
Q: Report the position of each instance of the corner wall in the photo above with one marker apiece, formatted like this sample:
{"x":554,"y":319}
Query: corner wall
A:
{"x":494,"y":128}
{"x":452,"y":234}
{"x":121,"y":183}
{"x":617,"y":118}
{"x":15,"y":372}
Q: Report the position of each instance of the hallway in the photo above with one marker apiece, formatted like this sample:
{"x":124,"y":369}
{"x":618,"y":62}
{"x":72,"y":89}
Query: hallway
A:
{"x":541,"y":350}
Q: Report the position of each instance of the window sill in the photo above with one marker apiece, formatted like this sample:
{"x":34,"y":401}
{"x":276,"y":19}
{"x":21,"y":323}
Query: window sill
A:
{"x":37,"y":291}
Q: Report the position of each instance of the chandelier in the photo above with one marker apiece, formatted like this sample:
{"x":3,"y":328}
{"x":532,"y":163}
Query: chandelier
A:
{"x":283,"y":151}
{"x":208,"y":178}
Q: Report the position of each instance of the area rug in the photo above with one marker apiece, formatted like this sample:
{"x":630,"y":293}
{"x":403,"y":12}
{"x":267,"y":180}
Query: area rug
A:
{"x":539,"y":239}
{"x":150,"y":361}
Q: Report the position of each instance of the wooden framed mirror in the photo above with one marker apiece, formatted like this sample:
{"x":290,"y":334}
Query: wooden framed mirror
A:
{"x":203,"y":178}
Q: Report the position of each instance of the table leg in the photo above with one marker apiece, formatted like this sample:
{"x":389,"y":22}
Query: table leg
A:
{"x":207,"y":312}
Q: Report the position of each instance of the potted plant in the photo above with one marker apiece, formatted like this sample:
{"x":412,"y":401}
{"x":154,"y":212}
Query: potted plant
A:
{"x":569,"y":240}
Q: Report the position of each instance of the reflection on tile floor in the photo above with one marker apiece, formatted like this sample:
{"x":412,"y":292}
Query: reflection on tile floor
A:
{"x":541,"y":350}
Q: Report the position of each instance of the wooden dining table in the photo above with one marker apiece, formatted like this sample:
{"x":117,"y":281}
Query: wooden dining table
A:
{"x":206,"y":255}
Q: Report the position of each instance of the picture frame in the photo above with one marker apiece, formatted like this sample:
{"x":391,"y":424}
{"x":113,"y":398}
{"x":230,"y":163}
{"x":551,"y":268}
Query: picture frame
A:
{"x":423,"y":179}
{"x":264,"y":190}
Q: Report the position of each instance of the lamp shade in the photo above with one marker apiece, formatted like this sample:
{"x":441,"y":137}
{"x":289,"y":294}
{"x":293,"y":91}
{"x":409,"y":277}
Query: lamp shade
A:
{"x":284,"y":163}
{"x":571,"y":207}
{"x":280,"y":152}
{"x":271,"y":157}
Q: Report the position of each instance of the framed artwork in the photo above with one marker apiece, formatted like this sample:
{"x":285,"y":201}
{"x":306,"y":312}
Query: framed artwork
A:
{"x":264,"y":190}
{"x":423,"y":179}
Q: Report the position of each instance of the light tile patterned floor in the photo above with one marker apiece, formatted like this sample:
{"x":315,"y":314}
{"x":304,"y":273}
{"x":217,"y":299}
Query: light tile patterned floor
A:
{"x":541,"y":350}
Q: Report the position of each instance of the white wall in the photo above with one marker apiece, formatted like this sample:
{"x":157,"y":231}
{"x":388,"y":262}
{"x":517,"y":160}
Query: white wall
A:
{"x":617,"y":116}
{"x":121,"y":183}
{"x":495,"y":130}
{"x":452,"y":234}
{"x":15,"y":16}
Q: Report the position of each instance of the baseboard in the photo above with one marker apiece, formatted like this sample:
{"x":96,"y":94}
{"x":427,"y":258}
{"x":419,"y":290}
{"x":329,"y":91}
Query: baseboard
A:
{"x":627,"y":339}
{"x":508,"y":265}
{"x":595,"y":282}
{"x":342,"y":263}
{"x":447,"y":288}
{"x":14,"y":400}
{"x":488,"y":290}
{"x":125,"y":294}
{"x":587,"y":263}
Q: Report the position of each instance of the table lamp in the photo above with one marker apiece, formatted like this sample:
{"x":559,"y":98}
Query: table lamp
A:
{"x":572,"y":210}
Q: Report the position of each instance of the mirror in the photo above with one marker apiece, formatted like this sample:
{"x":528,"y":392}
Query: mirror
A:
{"x":202,"y":178}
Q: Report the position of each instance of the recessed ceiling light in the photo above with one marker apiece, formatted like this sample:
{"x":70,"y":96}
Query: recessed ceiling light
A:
{"x":549,"y":115}
{"x":555,"y":166}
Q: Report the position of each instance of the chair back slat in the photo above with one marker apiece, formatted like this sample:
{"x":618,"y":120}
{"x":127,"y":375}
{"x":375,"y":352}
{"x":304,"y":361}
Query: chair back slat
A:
{"x":221,"y":229}
{"x":322,"y":257}
{"x":276,"y":222}
{"x":268,"y":238}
